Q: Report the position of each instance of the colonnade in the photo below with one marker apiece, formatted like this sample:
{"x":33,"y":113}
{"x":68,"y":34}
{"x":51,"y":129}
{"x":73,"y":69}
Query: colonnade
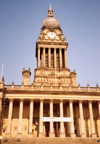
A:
{"x":61,"y":55}
{"x":51,"y":134}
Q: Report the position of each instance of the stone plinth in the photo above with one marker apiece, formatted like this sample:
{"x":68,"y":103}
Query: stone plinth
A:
{"x":73,"y":135}
{"x":19,"y":135}
{"x":94,"y":135}
{"x":8,"y":135}
{"x":41,"y":135}
{"x":62,"y":135}
{"x":51,"y":135}
{"x":30,"y":135}
{"x":83,"y":135}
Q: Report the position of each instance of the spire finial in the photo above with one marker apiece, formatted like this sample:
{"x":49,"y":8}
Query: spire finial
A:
{"x":50,"y":12}
{"x":50,"y":7}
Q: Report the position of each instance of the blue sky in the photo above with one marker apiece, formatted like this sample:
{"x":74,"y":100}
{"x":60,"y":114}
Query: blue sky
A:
{"x":20,"y":25}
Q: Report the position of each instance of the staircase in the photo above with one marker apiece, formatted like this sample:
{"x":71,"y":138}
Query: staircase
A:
{"x":67,"y":140}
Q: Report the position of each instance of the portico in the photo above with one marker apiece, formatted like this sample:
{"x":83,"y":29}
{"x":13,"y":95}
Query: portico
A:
{"x":52,"y":122}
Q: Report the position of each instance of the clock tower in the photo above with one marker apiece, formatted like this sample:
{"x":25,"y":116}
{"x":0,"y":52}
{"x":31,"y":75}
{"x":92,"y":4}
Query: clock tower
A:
{"x":51,"y":53}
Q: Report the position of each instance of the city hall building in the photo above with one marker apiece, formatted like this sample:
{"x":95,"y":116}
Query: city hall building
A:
{"x":52,"y":105}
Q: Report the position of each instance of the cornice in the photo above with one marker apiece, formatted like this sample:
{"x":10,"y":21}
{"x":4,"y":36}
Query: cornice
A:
{"x":52,"y":43}
{"x":53,"y":92}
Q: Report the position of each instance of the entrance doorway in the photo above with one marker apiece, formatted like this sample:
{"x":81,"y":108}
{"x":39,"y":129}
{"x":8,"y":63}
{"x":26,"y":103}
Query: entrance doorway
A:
{"x":47,"y":129}
{"x":57,"y":129}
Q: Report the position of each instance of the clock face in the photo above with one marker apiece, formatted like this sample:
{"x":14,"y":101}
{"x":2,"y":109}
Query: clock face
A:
{"x":51,"y":35}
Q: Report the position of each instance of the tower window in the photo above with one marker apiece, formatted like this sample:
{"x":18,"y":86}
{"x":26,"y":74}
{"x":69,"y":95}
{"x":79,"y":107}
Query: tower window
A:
{"x":52,"y":50}
{"x":46,"y":50}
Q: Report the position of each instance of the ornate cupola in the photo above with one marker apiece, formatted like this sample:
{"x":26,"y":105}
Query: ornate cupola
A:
{"x":50,"y":22}
{"x":51,"y":53}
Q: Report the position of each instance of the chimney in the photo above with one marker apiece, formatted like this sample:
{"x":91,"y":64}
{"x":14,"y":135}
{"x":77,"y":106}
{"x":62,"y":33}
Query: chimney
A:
{"x":26,"y":76}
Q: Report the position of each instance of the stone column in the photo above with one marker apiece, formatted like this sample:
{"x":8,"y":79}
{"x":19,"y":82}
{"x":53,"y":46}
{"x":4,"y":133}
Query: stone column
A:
{"x":31,"y":118}
{"x":51,"y":115}
{"x":81,"y":119}
{"x":20,"y":118}
{"x":60,"y":57}
{"x":67,"y":123}
{"x":65,"y":58}
{"x":1,"y":113}
{"x":62,"y":134}
{"x":72,"y":123}
{"x":56,"y":129}
{"x":54,"y":57}
{"x":40,"y":119}
{"x":8,"y":134}
{"x":49,"y":57}
{"x":0,"y":107}
{"x":91,"y":120}
{"x":99,"y":108}
{"x":44,"y":57}
{"x":98,"y":120}
{"x":38,"y":57}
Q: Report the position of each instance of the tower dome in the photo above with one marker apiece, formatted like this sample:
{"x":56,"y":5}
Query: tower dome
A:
{"x":50,"y":22}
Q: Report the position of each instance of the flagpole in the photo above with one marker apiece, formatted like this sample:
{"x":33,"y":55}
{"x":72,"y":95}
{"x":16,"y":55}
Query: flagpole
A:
{"x":2,"y":71}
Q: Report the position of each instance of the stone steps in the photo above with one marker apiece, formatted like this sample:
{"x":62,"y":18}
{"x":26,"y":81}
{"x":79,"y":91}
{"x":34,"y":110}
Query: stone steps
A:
{"x":53,"y":141}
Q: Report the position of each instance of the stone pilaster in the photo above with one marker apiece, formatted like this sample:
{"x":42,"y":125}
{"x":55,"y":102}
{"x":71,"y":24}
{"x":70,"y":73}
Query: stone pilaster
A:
{"x":19,"y":134}
{"x":82,"y":131}
{"x":62,"y":134}
{"x":31,"y":118}
{"x":91,"y":120}
{"x":8,"y":134}
{"x":40,"y":119}
{"x":72,"y":123}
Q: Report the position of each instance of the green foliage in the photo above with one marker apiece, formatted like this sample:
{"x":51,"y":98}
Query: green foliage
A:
{"x":5,"y":140}
{"x":18,"y":140}
{"x":99,"y":140}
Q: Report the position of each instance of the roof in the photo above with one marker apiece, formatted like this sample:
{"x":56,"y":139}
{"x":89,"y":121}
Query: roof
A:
{"x":50,"y":21}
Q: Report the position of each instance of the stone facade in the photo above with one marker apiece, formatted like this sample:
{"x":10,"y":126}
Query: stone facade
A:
{"x":53,"y":93}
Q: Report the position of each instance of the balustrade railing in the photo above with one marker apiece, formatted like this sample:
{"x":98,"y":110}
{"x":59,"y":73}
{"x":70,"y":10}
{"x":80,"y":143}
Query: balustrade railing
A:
{"x":51,"y":87}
